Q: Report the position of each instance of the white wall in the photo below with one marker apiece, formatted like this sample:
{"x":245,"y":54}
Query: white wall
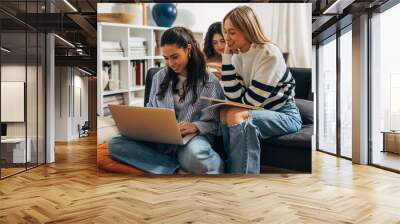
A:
{"x":204,"y":14}
{"x":34,"y":125}
{"x":80,"y":84}
{"x":16,"y":72}
{"x":289,"y":26}
{"x":68,"y":83}
{"x":61,"y":103}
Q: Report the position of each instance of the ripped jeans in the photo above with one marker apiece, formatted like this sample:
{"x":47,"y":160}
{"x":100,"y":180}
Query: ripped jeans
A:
{"x":241,"y":141}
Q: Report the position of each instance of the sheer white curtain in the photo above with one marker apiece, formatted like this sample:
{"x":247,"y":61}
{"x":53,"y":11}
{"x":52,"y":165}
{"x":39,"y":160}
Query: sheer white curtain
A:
{"x":289,"y":26}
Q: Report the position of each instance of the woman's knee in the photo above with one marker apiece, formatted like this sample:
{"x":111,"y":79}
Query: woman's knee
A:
{"x":236,"y":116}
{"x":113,"y":150}
{"x":222,"y":115}
{"x":200,"y":159}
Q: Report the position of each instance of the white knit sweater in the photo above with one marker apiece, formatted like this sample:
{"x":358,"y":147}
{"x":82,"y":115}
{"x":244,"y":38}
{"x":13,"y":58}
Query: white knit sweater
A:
{"x":257,"y":77}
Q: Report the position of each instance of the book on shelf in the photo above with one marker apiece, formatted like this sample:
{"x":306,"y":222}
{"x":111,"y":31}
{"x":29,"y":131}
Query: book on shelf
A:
{"x":139,"y":69}
{"x":111,"y":45}
{"x":137,"y":40}
{"x":137,"y":47}
{"x":112,"y":49}
{"x":138,"y":74}
{"x":133,"y":75}
{"x":157,"y":43}
{"x":218,"y":103}
{"x":115,"y":99}
{"x":144,"y":70}
{"x":138,"y":52}
{"x":114,"y":54}
{"x":111,"y":75}
{"x":115,"y":76}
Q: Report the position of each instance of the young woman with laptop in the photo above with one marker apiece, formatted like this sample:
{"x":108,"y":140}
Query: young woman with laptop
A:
{"x":179,"y":86}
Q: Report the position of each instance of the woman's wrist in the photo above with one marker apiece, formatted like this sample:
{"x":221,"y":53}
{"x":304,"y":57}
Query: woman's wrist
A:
{"x":226,"y":59}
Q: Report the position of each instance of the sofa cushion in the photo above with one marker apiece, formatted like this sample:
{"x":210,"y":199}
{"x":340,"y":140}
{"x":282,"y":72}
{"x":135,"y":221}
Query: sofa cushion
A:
{"x":306,"y":109}
{"x":302,"y":76}
{"x":301,"y":139}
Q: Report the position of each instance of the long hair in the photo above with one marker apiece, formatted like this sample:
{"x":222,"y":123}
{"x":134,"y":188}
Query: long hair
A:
{"x":208,"y":49}
{"x":245,"y":20}
{"x":196,"y":66}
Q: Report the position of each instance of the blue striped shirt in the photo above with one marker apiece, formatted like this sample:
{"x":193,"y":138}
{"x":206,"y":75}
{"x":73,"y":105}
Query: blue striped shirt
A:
{"x":205,"y":120}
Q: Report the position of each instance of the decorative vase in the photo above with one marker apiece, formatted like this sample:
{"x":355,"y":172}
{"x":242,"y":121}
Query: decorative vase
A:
{"x":164,"y":14}
{"x":113,"y":84}
{"x":106,"y":78}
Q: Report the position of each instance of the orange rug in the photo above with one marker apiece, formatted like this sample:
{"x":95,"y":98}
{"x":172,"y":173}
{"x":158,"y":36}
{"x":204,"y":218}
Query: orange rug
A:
{"x":105,"y":163}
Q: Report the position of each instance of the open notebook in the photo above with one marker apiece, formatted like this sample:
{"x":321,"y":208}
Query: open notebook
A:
{"x":217,"y":103}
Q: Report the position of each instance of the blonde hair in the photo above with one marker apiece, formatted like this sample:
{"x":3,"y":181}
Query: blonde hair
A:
{"x":245,"y":20}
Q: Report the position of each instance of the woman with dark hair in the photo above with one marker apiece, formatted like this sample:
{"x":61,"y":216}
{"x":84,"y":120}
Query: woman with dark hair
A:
{"x":179,"y":86}
{"x":214,"y":45}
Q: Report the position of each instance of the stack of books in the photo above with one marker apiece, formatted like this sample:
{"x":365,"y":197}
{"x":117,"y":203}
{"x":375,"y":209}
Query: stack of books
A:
{"x":137,"y":47}
{"x":117,"y":99}
{"x":112,"y":49}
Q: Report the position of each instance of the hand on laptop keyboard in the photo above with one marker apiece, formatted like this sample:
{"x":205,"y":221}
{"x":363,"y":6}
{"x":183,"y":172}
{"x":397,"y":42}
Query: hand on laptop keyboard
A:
{"x":187,"y":128}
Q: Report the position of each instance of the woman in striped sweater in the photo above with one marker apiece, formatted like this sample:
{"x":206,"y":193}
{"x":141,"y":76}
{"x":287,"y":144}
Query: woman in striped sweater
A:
{"x":253,"y":72}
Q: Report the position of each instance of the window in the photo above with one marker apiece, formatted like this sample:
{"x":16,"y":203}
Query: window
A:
{"x":327,"y":97}
{"x":346,"y":94}
{"x":385,"y":84}
{"x":22,"y":75}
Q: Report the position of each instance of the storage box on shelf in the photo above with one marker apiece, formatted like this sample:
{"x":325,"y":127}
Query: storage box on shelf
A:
{"x":125,"y":52}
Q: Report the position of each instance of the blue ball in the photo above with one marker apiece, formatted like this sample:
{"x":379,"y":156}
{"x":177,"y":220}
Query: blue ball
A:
{"x":164,"y":14}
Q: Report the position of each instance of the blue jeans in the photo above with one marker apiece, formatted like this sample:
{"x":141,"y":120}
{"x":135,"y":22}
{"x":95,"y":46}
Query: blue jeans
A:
{"x":241,"y":141}
{"x":197,"y":156}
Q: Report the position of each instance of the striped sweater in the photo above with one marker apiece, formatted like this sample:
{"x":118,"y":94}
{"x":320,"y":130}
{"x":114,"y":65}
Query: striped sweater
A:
{"x":258,"y":77}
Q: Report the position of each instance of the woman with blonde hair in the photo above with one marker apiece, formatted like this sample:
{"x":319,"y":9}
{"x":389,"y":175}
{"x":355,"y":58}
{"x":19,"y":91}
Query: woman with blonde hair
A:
{"x":254,"y":73}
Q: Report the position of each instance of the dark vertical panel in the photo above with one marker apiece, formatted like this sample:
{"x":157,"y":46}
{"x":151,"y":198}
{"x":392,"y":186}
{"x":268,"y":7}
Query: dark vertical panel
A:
{"x":316,"y":96}
{"x":26,"y":87}
{"x":37,"y":91}
{"x":338,"y":94}
{"x":1,"y":165}
{"x":369,"y":78}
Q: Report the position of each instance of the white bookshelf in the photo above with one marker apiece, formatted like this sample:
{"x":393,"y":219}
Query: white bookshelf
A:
{"x":132,"y":93}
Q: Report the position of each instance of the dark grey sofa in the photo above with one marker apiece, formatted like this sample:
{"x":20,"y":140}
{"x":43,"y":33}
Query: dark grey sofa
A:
{"x":292,"y":151}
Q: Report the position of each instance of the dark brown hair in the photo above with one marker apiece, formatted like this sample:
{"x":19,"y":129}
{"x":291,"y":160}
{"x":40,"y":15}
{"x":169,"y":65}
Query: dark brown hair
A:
{"x":196,"y":66}
{"x":208,"y":49}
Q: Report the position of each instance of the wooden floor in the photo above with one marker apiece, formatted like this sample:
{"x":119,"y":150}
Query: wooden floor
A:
{"x":386,"y":159}
{"x":72,"y":191}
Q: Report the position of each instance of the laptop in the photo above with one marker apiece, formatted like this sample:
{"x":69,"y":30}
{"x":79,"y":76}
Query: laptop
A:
{"x":148,"y":124}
